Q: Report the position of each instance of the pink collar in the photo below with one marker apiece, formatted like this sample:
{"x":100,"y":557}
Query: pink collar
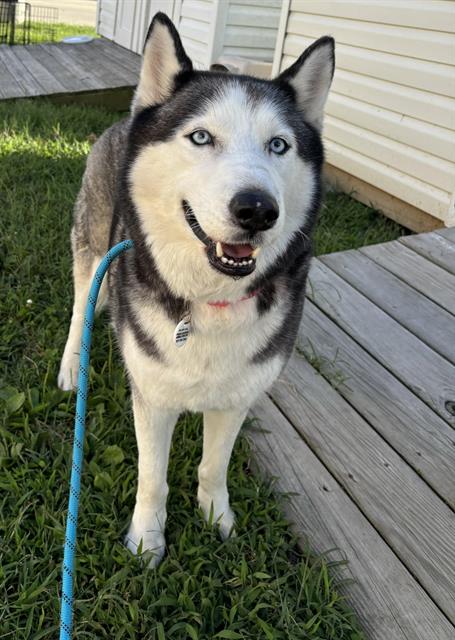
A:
{"x":220,"y":304}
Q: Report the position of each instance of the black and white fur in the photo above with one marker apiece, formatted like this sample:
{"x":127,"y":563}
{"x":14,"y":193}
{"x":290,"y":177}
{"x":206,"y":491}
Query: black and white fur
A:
{"x":147,"y":180}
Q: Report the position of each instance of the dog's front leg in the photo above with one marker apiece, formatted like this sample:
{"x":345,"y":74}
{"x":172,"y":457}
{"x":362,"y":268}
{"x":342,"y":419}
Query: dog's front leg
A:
{"x":220,"y":432}
{"x":154,"y":428}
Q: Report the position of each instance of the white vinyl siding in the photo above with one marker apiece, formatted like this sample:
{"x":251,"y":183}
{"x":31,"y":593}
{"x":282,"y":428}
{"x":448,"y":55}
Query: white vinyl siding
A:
{"x":126,"y":21}
{"x":106,"y":14}
{"x":390,"y":117}
{"x":251,"y":29}
{"x":208,"y":28}
{"x":194,"y":24}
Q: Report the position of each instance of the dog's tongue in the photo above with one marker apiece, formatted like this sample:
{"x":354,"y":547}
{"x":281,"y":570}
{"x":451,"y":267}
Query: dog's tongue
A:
{"x":237,"y":250}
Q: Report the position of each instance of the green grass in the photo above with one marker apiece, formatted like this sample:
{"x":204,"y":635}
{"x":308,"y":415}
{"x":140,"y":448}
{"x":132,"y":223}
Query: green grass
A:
{"x":257,"y":585}
{"x":345,"y":223}
{"x":40,"y":32}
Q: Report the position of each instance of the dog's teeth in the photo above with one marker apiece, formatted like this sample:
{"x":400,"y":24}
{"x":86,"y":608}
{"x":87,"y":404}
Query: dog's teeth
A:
{"x":250,"y":262}
{"x":244,"y":262}
{"x":219,"y":250}
{"x":256,"y":252}
{"x":223,"y":259}
{"x":231,"y":262}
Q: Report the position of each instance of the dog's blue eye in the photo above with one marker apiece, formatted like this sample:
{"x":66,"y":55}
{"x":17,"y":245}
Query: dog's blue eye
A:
{"x":278,"y":146}
{"x":200,"y":137}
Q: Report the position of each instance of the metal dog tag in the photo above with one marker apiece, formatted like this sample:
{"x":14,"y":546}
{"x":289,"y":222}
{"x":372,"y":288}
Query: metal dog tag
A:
{"x":182,"y":331}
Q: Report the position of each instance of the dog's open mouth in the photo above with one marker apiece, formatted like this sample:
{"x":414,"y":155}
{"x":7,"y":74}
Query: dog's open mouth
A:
{"x":237,"y":260}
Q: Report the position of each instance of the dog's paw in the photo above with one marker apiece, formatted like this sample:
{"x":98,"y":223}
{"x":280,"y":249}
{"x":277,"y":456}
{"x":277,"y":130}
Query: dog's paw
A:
{"x":149,"y":544}
{"x":226,"y":523}
{"x":217,"y":512}
{"x":67,"y":376}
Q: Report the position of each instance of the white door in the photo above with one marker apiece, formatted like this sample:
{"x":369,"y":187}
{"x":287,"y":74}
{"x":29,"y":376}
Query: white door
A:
{"x":124,"y":24}
{"x":133,"y":20}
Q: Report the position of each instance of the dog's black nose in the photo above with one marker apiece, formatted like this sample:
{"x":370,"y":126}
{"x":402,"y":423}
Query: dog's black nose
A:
{"x":254,"y":210}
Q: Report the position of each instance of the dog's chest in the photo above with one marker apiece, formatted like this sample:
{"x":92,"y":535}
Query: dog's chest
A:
{"x":214,"y":368}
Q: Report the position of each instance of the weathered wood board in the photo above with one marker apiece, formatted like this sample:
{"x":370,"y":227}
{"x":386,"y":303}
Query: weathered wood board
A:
{"x":423,"y":317}
{"x":421,"y":274}
{"x":367,"y":452}
{"x":121,"y":56}
{"x":429,"y":375}
{"x":58,"y":70}
{"x":448,"y":233}
{"x":43,"y":76}
{"x":416,"y":432}
{"x":388,"y":600}
{"x":24,"y":79}
{"x":434,"y":246}
{"x":417,"y":524}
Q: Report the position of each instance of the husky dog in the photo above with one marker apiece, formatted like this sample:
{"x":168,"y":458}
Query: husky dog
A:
{"x":217,"y":180}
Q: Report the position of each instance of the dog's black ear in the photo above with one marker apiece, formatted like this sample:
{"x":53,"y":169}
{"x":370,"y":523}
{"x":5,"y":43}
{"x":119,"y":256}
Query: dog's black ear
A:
{"x":310,"y":77}
{"x":163,"y":60}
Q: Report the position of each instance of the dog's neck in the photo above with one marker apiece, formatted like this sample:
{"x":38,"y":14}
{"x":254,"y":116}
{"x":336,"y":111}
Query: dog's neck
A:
{"x":221,"y":304}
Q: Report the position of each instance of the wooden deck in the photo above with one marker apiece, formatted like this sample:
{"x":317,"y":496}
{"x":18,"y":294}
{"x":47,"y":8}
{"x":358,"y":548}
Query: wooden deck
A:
{"x":367,"y":449}
{"x":95,"y":72}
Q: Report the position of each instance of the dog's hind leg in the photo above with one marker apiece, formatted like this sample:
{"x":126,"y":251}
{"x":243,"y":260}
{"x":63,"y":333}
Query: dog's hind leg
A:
{"x":154,"y":429}
{"x":220,"y":432}
{"x":85,"y":264}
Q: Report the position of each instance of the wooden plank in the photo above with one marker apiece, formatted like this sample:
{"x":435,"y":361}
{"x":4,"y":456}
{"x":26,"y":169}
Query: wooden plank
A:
{"x":81,"y":72}
{"x":419,"y":435}
{"x":46,"y":80}
{"x":448,"y":233}
{"x":386,"y":598}
{"x":91,"y":67}
{"x":118,"y":99}
{"x":106,"y":62}
{"x":118,"y":59}
{"x":415,"y":523}
{"x":130,"y":61}
{"x":426,"y":319}
{"x":433,"y":281}
{"x":21,"y":74}
{"x":9,"y":87}
{"x":421,"y":369}
{"x":434,"y":247}
{"x":94,"y":70}
{"x":69,"y":74}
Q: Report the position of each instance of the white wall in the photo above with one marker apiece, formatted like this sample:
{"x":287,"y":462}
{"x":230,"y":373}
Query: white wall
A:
{"x":195,"y":21}
{"x":126,"y":21}
{"x":391,"y":113}
{"x":209,"y":28}
{"x":251,"y":28}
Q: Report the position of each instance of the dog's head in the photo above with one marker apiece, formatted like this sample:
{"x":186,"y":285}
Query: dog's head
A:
{"x":224,"y":170}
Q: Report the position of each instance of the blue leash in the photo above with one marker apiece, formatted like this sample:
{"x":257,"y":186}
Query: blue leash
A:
{"x":66,"y":615}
